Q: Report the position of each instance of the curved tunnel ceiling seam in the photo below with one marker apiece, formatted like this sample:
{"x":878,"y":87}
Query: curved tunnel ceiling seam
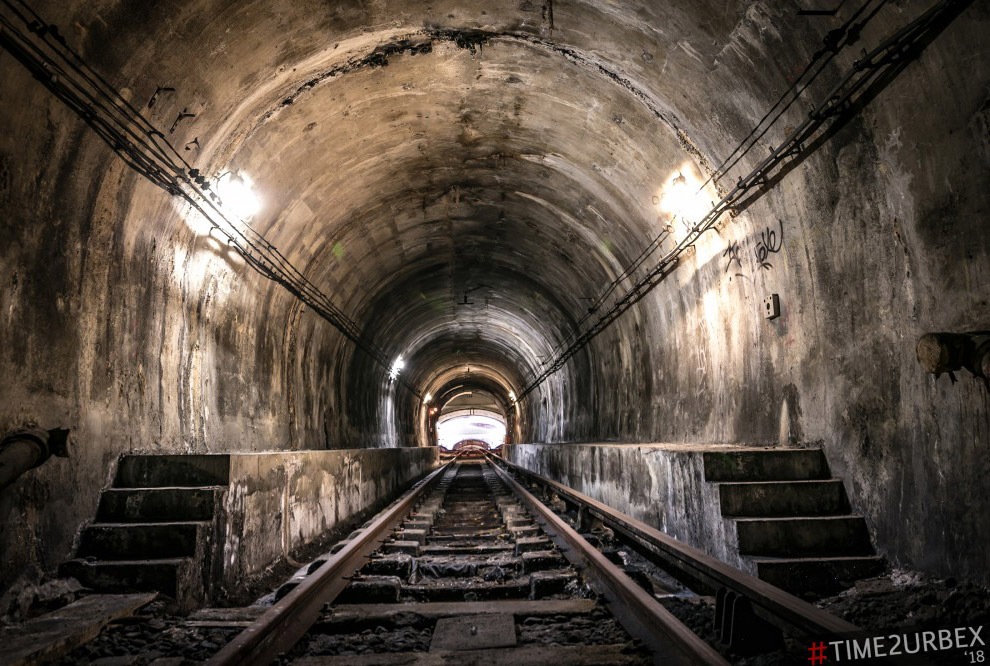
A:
{"x":474,"y":40}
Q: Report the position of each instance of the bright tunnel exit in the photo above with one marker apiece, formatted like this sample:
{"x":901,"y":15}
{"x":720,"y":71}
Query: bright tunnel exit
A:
{"x":463,"y":425}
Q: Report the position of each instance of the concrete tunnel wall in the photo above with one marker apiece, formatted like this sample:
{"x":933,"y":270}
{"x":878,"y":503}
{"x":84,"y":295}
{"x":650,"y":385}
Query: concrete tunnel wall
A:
{"x":408,"y":152}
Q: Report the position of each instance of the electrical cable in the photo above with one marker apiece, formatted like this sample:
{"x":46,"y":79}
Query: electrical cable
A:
{"x":833,"y":42}
{"x":876,"y":68}
{"x":145,"y":149}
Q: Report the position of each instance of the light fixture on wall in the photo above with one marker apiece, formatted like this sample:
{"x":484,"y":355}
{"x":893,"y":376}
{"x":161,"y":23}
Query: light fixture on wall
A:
{"x":397,"y":365}
{"x":427,"y":398}
{"x":238,"y":197}
{"x":683,"y":198}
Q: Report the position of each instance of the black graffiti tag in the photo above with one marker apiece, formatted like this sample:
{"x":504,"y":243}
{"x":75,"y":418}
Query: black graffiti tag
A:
{"x":732,"y":252}
{"x":770,"y":243}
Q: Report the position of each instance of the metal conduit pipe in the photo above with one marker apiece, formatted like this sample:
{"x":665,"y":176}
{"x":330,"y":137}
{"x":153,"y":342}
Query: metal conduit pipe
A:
{"x":27,"y":448}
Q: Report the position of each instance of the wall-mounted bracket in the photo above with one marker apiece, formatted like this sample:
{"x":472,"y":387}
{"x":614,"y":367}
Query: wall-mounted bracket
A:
{"x":771,"y":306}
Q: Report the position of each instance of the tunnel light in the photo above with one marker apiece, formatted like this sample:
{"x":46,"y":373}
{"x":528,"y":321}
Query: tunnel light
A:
{"x":427,"y":398}
{"x":237,"y":195}
{"x":512,"y":396}
{"x":397,"y":365}
{"x":682,"y":198}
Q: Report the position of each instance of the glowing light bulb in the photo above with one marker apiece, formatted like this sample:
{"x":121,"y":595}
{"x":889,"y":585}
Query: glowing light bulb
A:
{"x":682,"y":199}
{"x":237,"y":196}
{"x":427,"y":398}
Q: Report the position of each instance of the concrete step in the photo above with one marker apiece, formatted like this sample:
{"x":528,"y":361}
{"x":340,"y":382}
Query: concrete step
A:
{"x":174,"y":577}
{"x":783,"y":498}
{"x":141,"y":541}
{"x":765,"y":465}
{"x":153,"y":471}
{"x":817,"y":536}
{"x":821,"y":576}
{"x":145,"y":505}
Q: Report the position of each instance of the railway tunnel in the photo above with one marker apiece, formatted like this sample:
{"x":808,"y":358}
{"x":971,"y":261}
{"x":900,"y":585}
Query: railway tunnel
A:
{"x":718,"y":265}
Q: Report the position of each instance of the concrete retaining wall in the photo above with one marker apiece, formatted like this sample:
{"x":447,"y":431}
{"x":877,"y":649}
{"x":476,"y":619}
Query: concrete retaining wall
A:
{"x":280,"y":501}
{"x":661,"y":484}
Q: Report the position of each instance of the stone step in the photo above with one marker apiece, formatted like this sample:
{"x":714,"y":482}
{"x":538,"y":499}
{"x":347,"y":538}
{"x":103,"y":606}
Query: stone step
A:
{"x":783,"y":498}
{"x":820,"y":576}
{"x":174,"y":577}
{"x":817,"y":536}
{"x":157,"y":471}
{"x":141,"y":541}
{"x":142,"y":505}
{"x":765,"y":465}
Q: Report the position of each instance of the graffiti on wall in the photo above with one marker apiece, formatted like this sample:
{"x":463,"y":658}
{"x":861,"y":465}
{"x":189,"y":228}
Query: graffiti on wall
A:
{"x":765,"y":245}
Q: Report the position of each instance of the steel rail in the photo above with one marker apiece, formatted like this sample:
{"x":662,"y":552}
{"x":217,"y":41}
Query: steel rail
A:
{"x":779,"y":607}
{"x":639,"y":612}
{"x":282,"y":625}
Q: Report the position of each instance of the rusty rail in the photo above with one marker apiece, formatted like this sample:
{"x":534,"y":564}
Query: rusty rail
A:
{"x":282,"y":625}
{"x":640,"y":613}
{"x":772,"y":604}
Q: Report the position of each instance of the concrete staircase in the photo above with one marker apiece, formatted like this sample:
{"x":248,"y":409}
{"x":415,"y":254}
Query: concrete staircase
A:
{"x":792,"y":519}
{"x":156,"y":528}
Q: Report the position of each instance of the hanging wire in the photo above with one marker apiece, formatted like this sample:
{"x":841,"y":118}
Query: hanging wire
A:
{"x":869,"y":74}
{"x":833,"y":42}
{"x":41,"y":48}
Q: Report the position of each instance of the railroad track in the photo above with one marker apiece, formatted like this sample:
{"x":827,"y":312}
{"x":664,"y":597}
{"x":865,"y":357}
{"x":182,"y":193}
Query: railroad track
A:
{"x":472,"y":566}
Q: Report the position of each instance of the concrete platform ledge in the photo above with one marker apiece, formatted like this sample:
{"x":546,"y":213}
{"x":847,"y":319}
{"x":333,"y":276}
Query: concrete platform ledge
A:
{"x":700,"y":494}
{"x":197,"y":527}
{"x":280,"y":501}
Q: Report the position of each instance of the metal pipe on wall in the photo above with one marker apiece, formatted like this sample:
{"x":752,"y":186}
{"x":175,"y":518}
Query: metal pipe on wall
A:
{"x":28,"y":448}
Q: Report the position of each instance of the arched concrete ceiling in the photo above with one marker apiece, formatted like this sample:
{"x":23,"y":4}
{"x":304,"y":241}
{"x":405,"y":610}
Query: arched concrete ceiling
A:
{"x":410,"y":153}
{"x":411,"y":156}
{"x":428,"y":157}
